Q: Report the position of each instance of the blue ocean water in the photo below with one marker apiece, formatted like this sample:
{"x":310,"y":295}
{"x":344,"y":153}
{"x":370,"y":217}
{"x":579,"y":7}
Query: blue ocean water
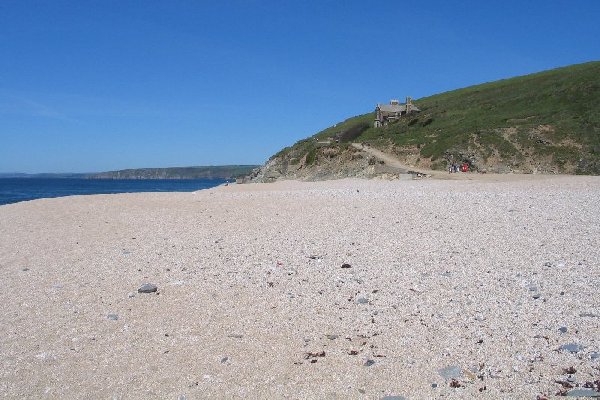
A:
{"x":13,"y":190}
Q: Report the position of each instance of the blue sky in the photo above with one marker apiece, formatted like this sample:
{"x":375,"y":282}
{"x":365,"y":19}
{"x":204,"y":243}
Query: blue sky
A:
{"x":100,"y":85}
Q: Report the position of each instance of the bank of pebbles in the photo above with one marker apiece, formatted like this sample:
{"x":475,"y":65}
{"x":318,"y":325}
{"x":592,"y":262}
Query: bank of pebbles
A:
{"x":418,"y":289}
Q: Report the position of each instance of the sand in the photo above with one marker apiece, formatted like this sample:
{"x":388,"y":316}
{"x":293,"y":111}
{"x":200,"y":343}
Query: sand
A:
{"x":451,"y":283}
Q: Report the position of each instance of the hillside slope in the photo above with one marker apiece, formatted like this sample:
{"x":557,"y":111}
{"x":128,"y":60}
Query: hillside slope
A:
{"x":548,"y":122}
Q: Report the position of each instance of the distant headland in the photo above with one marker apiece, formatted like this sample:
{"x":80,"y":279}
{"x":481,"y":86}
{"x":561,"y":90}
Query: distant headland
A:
{"x":198,"y":172}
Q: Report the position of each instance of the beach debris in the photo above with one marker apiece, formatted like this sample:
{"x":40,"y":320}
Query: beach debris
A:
{"x":571,"y":347}
{"x":147,"y":288}
{"x":362,"y":300}
{"x":313,"y":356}
{"x":345,"y":265}
{"x":562,"y":329}
{"x":570,"y":370}
{"x":112,"y":317}
{"x":353,"y":353}
{"x":369,"y":362}
{"x":225,"y":360}
{"x":131,"y":295}
{"x":537,"y":296}
{"x":331,"y":337}
{"x":25,"y":269}
{"x":393,"y":398}
{"x":456,"y":384}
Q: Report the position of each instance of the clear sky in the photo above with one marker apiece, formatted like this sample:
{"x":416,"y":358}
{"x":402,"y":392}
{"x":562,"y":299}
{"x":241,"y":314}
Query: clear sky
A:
{"x":101,"y":85}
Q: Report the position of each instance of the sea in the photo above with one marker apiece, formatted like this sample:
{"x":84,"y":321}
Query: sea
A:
{"x":14,"y":190}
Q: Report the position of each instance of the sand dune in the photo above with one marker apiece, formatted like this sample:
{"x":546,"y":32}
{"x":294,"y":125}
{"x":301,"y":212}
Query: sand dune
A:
{"x":452,"y":288}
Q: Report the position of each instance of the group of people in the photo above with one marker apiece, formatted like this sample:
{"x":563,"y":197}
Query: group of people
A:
{"x":455,"y":167}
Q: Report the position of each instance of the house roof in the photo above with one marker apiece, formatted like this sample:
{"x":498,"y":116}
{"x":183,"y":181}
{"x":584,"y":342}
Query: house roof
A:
{"x":394,"y":108}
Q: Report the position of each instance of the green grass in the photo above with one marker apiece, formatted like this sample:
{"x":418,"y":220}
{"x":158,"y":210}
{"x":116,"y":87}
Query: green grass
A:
{"x":567,"y":99}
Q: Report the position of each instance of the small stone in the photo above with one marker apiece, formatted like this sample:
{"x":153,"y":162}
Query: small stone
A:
{"x":393,"y":398}
{"x":182,"y":397}
{"x":594,"y":356}
{"x":434,"y":385}
{"x":589,"y":314}
{"x":25,"y":269}
{"x":450,"y":372}
{"x":112,"y":317}
{"x":362,"y":300}
{"x":583,"y":393}
{"x":346,"y":266}
{"x":562,"y":329}
{"x":235,"y":336}
{"x":571,"y":347}
{"x":131,"y":295}
{"x":147,"y":288}
{"x":224,"y":360}
{"x":368,"y":363}
{"x":332,"y":337}
{"x":537,"y":296}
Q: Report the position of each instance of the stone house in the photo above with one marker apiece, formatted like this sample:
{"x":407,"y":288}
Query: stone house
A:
{"x":384,"y":113}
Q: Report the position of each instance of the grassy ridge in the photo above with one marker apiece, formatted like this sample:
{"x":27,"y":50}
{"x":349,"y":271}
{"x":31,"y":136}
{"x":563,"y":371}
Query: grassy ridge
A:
{"x":552,"y":116}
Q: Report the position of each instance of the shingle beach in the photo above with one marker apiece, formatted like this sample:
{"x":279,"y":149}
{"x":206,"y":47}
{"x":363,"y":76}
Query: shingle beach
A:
{"x":419,"y":289}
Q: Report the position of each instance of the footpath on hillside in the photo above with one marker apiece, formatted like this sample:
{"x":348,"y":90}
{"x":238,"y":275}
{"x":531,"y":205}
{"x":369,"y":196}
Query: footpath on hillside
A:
{"x":394,"y":162}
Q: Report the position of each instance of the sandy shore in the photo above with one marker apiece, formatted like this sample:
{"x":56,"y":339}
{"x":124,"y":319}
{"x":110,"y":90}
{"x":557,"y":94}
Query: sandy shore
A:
{"x":473,"y":284}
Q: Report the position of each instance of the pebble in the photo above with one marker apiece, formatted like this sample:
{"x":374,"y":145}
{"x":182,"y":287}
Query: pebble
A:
{"x":571,"y":347}
{"x":131,"y":295}
{"x":332,"y":337}
{"x":362,"y":300}
{"x":537,"y":296}
{"x":393,"y":398}
{"x":563,"y":329}
{"x":368,"y":363}
{"x":583,"y":393}
{"x":346,"y":266}
{"x":147,"y":288}
{"x":112,"y":317}
{"x":450,"y":372}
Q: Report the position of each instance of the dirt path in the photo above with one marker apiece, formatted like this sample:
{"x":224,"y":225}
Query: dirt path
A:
{"x":444,"y":175}
{"x":394,"y":162}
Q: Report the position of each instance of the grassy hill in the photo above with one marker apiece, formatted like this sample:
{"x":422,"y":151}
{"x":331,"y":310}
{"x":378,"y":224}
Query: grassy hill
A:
{"x":545,"y":122}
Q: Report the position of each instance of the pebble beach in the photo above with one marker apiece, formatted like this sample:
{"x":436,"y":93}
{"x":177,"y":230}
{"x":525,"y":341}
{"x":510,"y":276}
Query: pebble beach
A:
{"x":407,"y":289}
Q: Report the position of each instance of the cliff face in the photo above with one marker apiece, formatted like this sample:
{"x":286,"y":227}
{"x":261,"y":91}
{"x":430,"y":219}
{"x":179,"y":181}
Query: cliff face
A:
{"x":547,"y":122}
{"x":326,"y":162}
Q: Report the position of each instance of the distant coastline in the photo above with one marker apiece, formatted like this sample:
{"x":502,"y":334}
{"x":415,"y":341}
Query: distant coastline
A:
{"x":199,"y":172}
